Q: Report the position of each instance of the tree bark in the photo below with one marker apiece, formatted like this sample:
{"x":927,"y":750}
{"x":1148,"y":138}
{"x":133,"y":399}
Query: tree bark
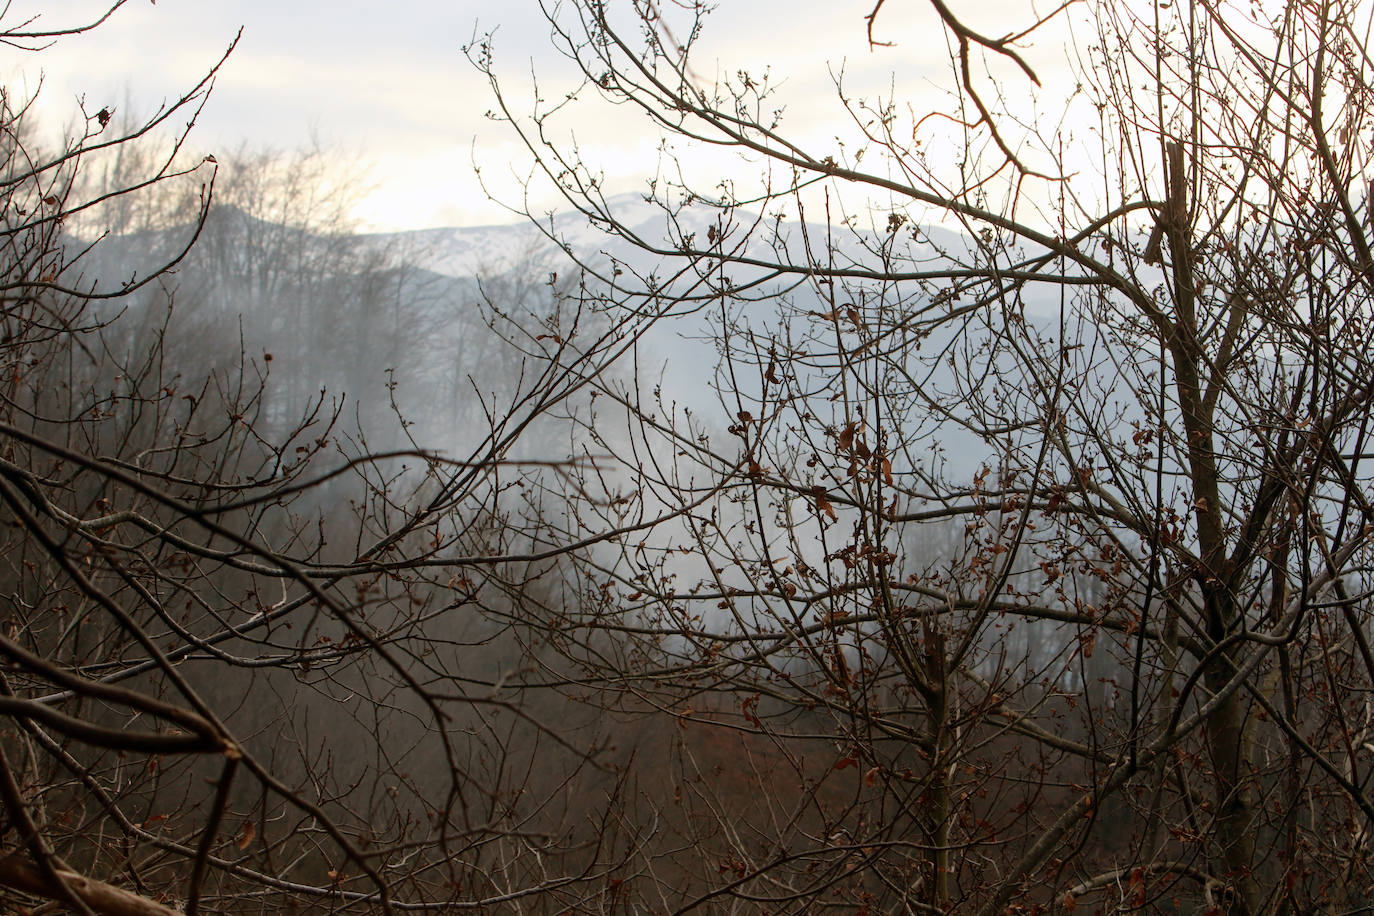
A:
{"x":18,"y":873}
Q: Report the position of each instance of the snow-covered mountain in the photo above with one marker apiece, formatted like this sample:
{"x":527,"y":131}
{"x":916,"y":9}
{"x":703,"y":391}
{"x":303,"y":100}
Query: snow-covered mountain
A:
{"x":412,"y":319}
{"x":468,"y":251}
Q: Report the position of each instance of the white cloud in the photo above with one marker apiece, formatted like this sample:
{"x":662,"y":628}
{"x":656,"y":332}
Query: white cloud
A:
{"x":389,"y":83}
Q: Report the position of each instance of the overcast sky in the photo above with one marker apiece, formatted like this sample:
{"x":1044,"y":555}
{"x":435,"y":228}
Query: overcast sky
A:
{"x":388,"y":83}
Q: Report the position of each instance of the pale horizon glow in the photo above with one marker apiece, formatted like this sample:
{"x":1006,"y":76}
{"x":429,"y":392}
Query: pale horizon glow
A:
{"x":393,"y":91}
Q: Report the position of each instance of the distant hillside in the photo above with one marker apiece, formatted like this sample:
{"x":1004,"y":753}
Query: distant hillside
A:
{"x":413,"y":324}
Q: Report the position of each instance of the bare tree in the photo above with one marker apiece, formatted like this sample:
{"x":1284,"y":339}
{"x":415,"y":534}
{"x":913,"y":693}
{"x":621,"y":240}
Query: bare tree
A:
{"x":249,"y":662}
{"x":1035,"y":553}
